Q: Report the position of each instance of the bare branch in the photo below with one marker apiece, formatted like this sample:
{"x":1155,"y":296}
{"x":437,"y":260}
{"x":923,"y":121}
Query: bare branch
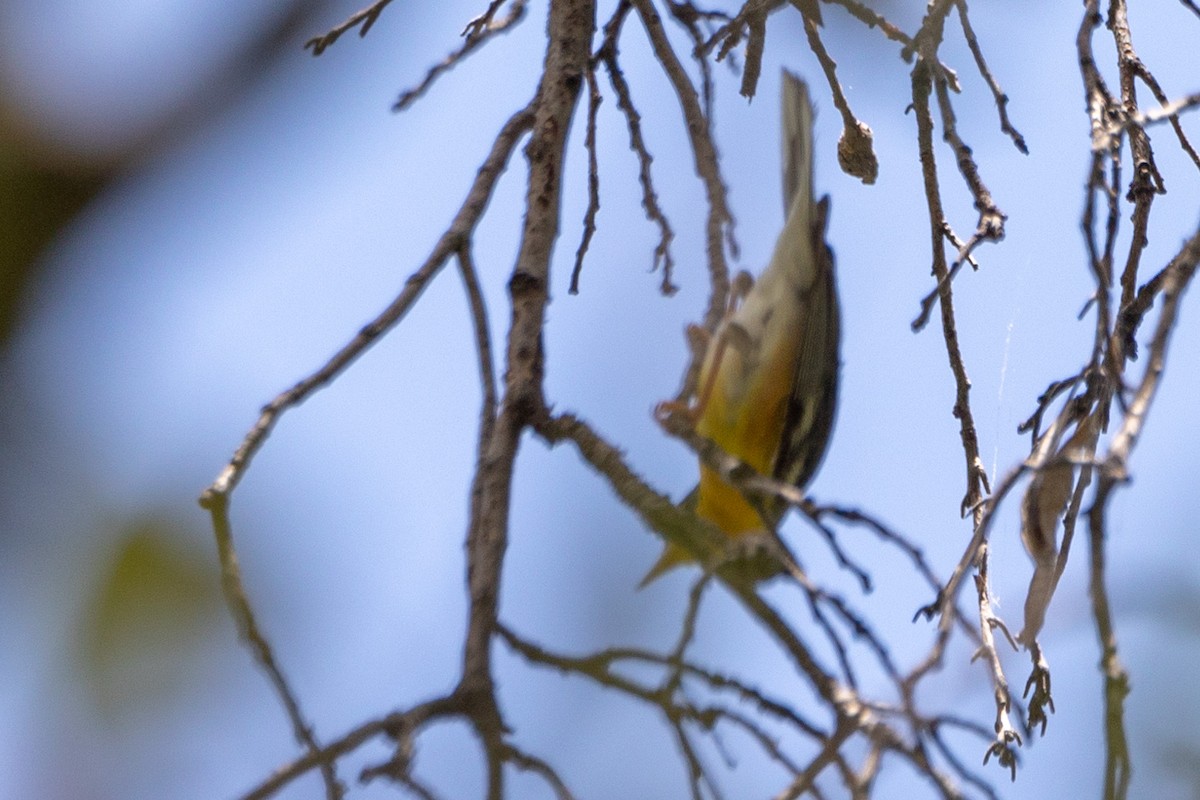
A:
{"x":829,"y":652}
{"x":657,"y":512}
{"x":719,"y":225}
{"x":593,"y":207}
{"x":530,"y":763}
{"x":251,"y":634}
{"x":756,"y":39}
{"x":1117,"y":765}
{"x":981,"y":63}
{"x":363,"y":20}
{"x":477,"y":33}
{"x":873,"y":19}
{"x":1179,"y":274}
{"x":411,"y":719}
{"x":483,"y":337}
{"x":459,"y":230}
{"x":608,"y":55}
{"x":977,"y":482}
{"x":569,"y":43}
{"x":856,"y":153}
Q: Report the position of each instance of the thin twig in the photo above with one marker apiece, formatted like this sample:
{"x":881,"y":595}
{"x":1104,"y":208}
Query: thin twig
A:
{"x":460,"y":228}
{"x":977,"y":482}
{"x":363,"y":20}
{"x":477,"y":33}
{"x":856,"y":152}
{"x":1117,"y":763}
{"x":413,"y":718}
{"x":593,"y":207}
{"x":608,"y":55}
{"x":720,"y":223}
{"x":479,"y":326}
{"x":997,"y":93}
{"x":530,"y":763}
{"x":873,"y":19}
{"x":248,"y":629}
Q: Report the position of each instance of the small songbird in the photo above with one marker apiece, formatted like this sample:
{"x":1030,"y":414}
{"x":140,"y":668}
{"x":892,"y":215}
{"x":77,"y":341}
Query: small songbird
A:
{"x":767,"y":388}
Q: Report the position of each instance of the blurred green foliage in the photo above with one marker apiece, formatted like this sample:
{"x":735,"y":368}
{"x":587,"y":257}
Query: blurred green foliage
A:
{"x":36,"y":200}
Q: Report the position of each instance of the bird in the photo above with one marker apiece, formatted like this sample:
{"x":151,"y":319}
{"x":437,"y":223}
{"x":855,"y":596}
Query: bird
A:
{"x":768,"y":383}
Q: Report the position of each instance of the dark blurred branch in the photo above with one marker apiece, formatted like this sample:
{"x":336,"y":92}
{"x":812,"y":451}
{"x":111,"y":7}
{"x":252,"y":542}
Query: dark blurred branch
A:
{"x":692,"y":18}
{"x":1177,"y":276}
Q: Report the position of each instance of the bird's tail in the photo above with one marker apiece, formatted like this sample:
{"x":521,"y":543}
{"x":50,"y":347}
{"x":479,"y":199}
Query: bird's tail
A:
{"x":796,"y":126}
{"x":796,"y":259}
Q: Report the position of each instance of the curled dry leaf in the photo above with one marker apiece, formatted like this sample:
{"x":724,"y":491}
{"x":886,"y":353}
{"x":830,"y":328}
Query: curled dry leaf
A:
{"x":1044,"y":503}
{"x":856,"y":153}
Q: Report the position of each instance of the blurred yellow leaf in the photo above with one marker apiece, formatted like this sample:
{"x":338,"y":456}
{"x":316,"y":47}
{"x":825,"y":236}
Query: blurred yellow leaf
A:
{"x":154,"y":603}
